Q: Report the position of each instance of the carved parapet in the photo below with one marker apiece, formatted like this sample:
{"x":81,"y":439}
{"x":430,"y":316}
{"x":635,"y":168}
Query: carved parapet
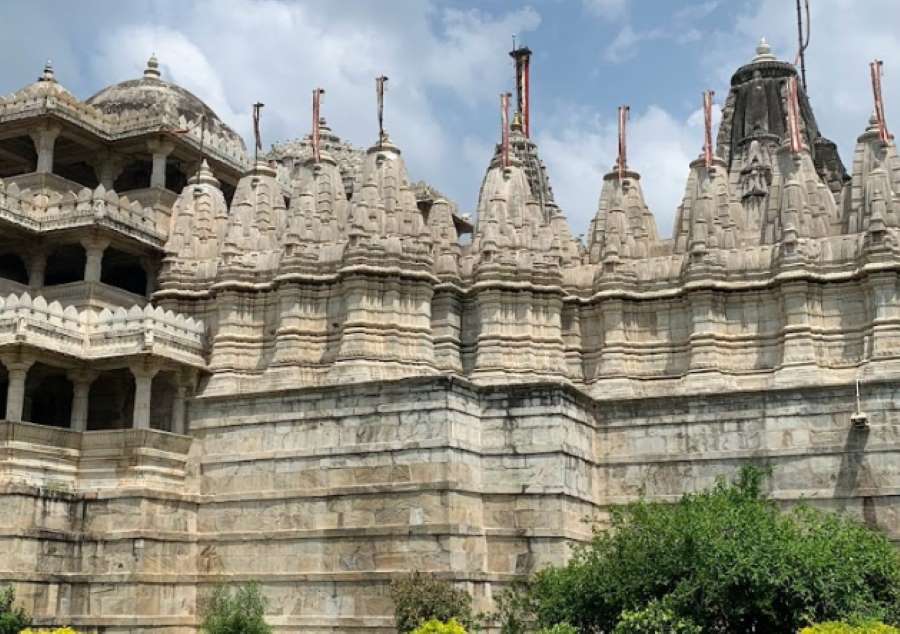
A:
{"x":49,"y":209}
{"x":111,"y":333}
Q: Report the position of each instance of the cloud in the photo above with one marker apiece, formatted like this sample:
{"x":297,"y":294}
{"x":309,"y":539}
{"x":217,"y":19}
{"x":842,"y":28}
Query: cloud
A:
{"x":578,"y":153}
{"x":610,"y":10}
{"x":444,"y":65}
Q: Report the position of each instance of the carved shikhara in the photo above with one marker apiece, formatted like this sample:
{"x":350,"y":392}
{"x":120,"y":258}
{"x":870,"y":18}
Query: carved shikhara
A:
{"x":369,"y":392}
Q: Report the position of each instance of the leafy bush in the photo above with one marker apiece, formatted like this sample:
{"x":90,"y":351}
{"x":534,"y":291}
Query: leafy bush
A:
{"x":656,"y":618}
{"x":514,"y":611}
{"x":559,"y":628}
{"x":419,"y":598}
{"x":729,"y":561}
{"x":59,"y":630}
{"x":239,"y":612}
{"x":433,"y":626}
{"x":870,"y":627}
{"x":12,"y":619}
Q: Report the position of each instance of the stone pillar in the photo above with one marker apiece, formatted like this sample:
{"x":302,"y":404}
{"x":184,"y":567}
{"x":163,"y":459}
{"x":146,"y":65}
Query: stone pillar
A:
{"x":81,"y":387}
{"x":93,"y":265}
{"x":44,"y":139}
{"x":107,"y":169}
{"x":181,"y":390}
{"x":151,"y":270}
{"x":703,"y":330}
{"x":17,"y":370}
{"x":798,"y":343}
{"x":160,"y":148}
{"x":143,"y":381}
{"x":882,"y":290}
{"x":612,"y":355}
{"x":37,"y":266}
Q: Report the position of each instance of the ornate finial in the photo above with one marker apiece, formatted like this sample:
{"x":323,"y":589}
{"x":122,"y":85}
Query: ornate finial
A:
{"x":48,"y":74}
{"x":152,"y":70}
{"x":204,"y":176}
{"x":763,"y":52}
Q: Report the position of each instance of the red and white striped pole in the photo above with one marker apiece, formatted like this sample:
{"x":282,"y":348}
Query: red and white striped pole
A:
{"x":707,"y":127}
{"x":504,"y":129}
{"x":877,"y":69}
{"x":622,"y":162}
{"x":793,"y":112}
{"x":316,"y":141}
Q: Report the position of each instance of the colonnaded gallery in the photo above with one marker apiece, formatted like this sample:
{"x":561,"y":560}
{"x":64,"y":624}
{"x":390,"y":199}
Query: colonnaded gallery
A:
{"x":309,"y":371}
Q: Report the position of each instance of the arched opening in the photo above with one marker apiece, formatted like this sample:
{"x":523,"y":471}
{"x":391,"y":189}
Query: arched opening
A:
{"x":65,"y":265}
{"x":123,"y":270}
{"x":12,"y":267}
{"x":48,"y":396}
{"x":111,"y":401}
{"x":162,"y":400}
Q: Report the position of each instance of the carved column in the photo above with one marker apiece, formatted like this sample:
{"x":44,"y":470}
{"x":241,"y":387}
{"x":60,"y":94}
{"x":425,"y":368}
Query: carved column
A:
{"x":107,"y":169}
{"x":143,"y":382}
{"x":44,"y":139}
{"x":37,"y":266}
{"x":612,"y":355}
{"x":882,"y":287}
{"x":93,"y":266}
{"x":17,"y":369}
{"x":81,"y":387}
{"x":160,"y":148}
{"x":151,"y":270}
{"x":703,"y":334}
{"x":798,"y":345}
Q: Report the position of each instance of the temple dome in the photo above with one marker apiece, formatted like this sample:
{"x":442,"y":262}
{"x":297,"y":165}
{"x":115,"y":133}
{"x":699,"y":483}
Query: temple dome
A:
{"x":45,"y":86}
{"x":150,"y":92}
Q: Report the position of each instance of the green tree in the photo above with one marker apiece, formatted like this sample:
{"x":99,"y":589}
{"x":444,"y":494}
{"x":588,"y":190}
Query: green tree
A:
{"x":655,"y":618}
{"x":727,"y":560}
{"x":241,"y":611}
{"x":419,"y":598}
{"x":13,"y":619}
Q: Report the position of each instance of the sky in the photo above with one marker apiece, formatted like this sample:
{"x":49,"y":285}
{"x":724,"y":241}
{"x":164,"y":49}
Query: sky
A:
{"x":447,"y":63}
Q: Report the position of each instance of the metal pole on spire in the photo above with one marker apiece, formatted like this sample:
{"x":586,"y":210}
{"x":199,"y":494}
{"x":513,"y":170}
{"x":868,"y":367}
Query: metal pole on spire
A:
{"x":257,"y":108}
{"x":316,"y":141}
{"x":504,"y":129}
{"x":802,"y":40}
{"x":621,"y":161}
{"x":379,"y":89}
{"x":793,"y":116}
{"x":522,"y":57}
{"x":707,"y":127}
{"x":876,"y":69}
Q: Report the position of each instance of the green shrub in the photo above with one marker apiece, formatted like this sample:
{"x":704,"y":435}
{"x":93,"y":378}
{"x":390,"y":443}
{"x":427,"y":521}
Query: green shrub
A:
{"x":655,"y":618}
{"x":729,"y":561}
{"x":559,"y":628}
{"x":59,"y":630}
{"x":433,"y":626}
{"x":419,"y":598}
{"x":514,"y":611}
{"x":12,"y":619}
{"x":239,"y":612}
{"x":870,"y":627}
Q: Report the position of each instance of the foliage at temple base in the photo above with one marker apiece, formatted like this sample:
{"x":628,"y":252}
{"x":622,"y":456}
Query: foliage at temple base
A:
{"x":239,"y":611}
{"x":420,"y":598}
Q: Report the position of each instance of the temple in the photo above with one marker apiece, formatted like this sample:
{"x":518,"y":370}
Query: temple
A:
{"x":307,"y":370}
